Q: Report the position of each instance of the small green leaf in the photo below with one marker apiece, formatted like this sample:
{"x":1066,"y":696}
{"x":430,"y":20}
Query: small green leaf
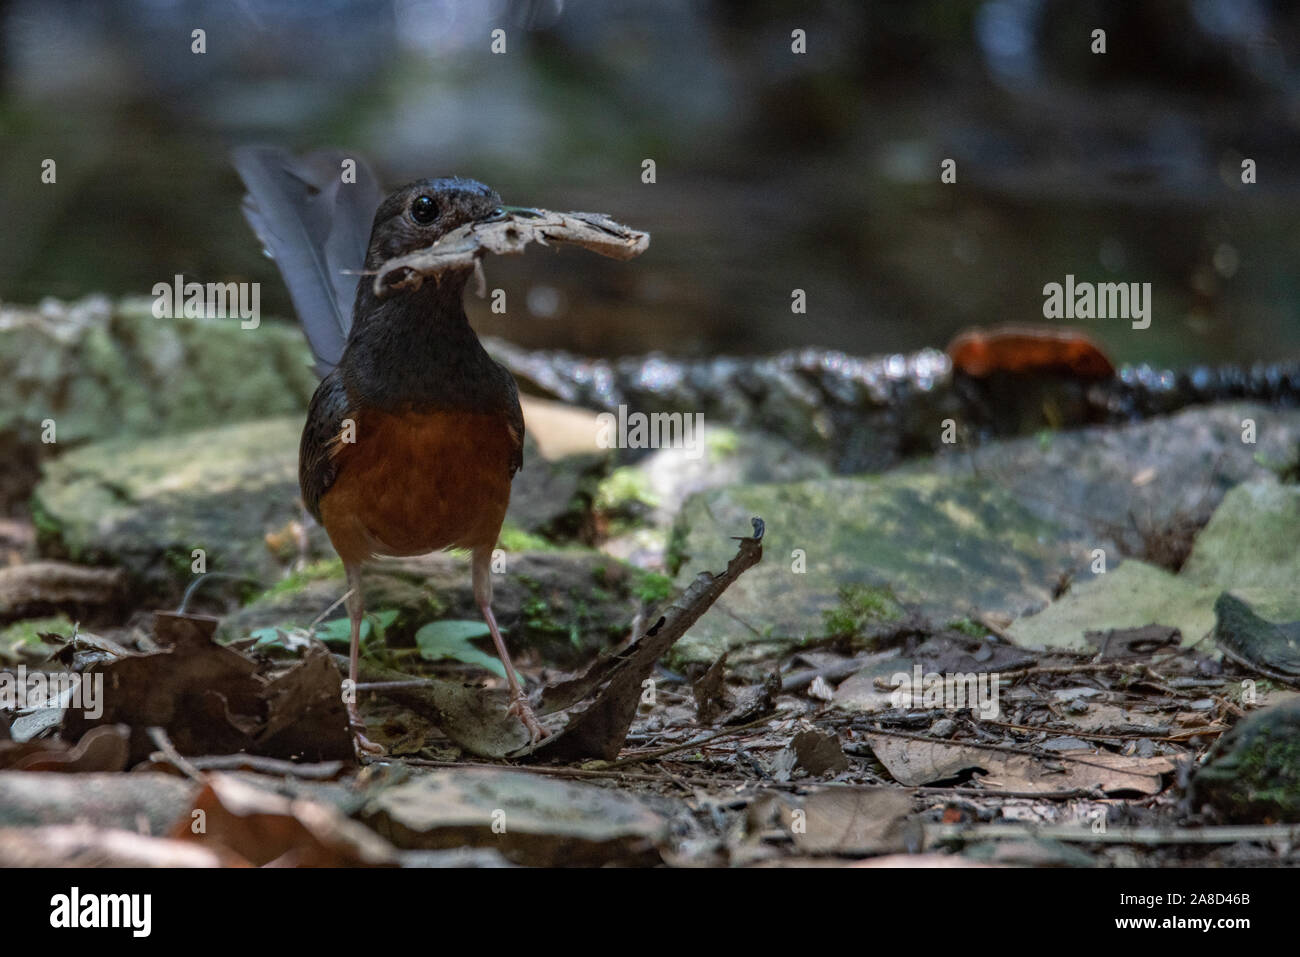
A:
{"x":267,"y":639}
{"x":383,"y":620}
{"x":451,"y":639}
{"x":337,"y":633}
{"x":450,"y":632}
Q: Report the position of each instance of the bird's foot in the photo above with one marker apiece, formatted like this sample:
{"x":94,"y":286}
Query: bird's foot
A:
{"x":364,"y":746}
{"x":521,"y":709}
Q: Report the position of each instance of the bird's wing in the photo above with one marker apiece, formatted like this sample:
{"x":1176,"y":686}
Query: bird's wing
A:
{"x":514,"y":420}
{"x":316,"y":227}
{"x":320,"y":443}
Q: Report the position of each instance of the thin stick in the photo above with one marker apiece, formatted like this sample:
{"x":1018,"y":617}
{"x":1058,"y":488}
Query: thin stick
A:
{"x":321,"y":617}
{"x":652,"y":755}
{"x":942,"y":833}
{"x":168,"y":750}
{"x":1067,"y":733}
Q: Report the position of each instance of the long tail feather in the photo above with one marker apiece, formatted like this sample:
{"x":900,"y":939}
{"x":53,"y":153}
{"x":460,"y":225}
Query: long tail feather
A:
{"x":316,"y":227}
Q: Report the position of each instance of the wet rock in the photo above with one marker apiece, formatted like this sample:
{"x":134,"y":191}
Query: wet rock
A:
{"x":1169,"y":473}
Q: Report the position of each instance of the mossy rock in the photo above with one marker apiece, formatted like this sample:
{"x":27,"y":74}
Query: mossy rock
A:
{"x":943,"y":544}
{"x":97,"y":370}
{"x":22,"y":639}
{"x":1253,"y":772}
{"x":146,"y":506}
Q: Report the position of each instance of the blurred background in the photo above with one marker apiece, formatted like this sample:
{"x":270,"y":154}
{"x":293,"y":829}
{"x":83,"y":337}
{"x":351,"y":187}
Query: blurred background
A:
{"x":775,"y":170}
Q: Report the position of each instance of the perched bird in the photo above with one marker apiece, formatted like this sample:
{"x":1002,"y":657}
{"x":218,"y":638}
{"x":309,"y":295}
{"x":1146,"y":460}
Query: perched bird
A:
{"x":415,"y":432}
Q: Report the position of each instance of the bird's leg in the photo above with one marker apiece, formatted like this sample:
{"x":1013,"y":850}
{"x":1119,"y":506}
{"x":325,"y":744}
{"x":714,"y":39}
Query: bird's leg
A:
{"x":355,"y":612}
{"x":482,"y":575}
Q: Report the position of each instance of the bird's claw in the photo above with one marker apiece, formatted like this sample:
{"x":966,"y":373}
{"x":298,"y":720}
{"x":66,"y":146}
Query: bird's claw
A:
{"x":364,"y":746}
{"x":521,"y":709}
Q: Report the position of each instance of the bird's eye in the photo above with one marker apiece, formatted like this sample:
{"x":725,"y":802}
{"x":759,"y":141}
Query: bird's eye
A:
{"x":424,"y":210}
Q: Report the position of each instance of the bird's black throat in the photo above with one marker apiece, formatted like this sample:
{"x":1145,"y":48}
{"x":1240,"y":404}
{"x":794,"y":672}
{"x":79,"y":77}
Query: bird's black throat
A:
{"x":414,"y":350}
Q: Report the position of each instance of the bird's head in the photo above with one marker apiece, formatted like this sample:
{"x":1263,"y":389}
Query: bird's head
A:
{"x":419,"y":214}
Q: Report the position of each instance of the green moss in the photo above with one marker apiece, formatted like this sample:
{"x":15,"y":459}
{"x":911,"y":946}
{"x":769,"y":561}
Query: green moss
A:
{"x":859,"y":608}
{"x":28,"y":632}
{"x":676,"y":555}
{"x":179,"y":561}
{"x":623,"y":489}
{"x":539,"y":619}
{"x":321,"y":570}
{"x":1265,"y":781}
{"x":1253,"y":773}
{"x":651,"y":587}
{"x":967,"y":627}
{"x":721,"y":442}
{"x":46,"y":526}
{"x":515,"y":539}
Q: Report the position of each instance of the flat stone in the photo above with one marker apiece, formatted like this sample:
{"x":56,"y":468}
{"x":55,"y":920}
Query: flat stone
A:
{"x":1248,"y":548}
{"x":1130,"y":595}
{"x":1251,"y":540}
{"x":531,"y":819}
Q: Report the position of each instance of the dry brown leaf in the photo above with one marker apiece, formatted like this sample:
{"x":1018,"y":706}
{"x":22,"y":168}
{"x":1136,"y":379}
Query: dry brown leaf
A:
{"x":843,"y":820}
{"x":914,"y":763}
{"x":83,"y":845}
{"x":270,"y":829}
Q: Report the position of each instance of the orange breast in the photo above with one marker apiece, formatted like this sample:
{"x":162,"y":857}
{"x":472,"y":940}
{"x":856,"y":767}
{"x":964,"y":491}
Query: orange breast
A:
{"x":418,"y":482}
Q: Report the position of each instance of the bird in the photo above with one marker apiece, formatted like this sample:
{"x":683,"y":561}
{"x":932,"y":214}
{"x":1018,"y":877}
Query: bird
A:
{"x":414,"y":434}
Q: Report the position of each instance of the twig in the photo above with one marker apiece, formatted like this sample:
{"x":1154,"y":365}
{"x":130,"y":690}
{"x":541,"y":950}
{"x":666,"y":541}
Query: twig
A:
{"x":168,"y":750}
{"x":1067,"y":733}
{"x":942,"y":833}
{"x":652,"y":755}
{"x":321,"y":771}
{"x":321,"y":617}
{"x":600,"y":729}
{"x":395,"y":685}
{"x":1093,"y":793}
